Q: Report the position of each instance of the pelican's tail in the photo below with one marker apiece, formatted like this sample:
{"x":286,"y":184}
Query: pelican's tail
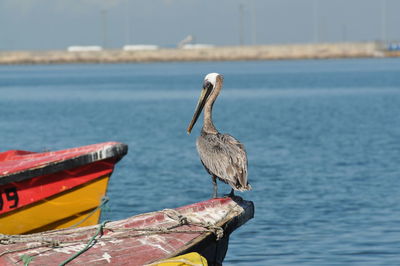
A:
{"x":248,"y":187}
{"x":243,"y":188}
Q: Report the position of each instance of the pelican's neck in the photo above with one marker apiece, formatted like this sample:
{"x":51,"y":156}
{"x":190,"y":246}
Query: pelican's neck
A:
{"x":208,"y":125}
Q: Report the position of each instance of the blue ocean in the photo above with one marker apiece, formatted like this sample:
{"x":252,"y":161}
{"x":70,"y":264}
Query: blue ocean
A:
{"x":322,"y":137}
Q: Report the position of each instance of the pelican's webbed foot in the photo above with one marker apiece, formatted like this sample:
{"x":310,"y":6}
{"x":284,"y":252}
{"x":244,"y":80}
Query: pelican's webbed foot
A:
{"x":231,"y":194}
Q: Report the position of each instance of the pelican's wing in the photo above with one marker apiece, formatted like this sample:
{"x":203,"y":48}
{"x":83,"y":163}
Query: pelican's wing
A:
{"x":225,"y":157}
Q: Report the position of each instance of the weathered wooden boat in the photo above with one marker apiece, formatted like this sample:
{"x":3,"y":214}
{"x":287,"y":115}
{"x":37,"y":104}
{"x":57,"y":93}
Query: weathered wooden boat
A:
{"x":202,"y":227}
{"x":58,"y":189}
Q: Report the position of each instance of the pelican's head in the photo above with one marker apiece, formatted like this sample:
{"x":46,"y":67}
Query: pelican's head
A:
{"x":209,"y":84}
{"x":211,"y":78}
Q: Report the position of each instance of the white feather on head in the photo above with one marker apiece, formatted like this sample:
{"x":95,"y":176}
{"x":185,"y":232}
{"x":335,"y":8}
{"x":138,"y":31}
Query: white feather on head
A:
{"x":212,"y":78}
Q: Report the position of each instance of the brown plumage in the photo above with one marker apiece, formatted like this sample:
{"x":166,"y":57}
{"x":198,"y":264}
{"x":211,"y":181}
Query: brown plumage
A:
{"x":223,"y":156}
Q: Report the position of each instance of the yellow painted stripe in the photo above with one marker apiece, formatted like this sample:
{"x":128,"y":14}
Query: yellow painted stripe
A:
{"x":188,"y":259}
{"x":59,"y":211}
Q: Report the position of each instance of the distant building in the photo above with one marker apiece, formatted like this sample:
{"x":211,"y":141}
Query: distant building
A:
{"x":394,"y":46}
{"x":90,"y":48}
{"x":139,"y":47}
{"x":187,"y":40}
{"x":196,"y":46}
{"x":190,"y":43}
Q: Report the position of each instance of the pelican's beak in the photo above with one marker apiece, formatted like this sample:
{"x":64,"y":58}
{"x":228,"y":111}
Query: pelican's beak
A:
{"x":205,"y":92}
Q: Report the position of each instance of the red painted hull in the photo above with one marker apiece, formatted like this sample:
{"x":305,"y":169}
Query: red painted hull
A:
{"x":203,"y":227}
{"x":28,"y":177}
{"x":29,"y":180}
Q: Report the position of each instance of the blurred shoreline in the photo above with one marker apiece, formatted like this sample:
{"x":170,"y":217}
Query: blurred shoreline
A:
{"x":215,"y":53}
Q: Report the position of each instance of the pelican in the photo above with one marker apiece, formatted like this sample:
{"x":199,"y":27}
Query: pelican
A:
{"x":223,"y":156}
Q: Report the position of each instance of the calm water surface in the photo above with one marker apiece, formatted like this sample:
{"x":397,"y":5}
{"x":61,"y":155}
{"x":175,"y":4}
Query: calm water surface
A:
{"x":323,"y":143}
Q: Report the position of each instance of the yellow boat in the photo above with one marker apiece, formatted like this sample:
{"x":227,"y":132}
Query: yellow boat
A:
{"x":52,"y":190}
{"x":189,"y":259}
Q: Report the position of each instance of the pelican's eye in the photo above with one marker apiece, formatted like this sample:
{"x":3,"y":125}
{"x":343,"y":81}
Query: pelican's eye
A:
{"x":207,"y":85}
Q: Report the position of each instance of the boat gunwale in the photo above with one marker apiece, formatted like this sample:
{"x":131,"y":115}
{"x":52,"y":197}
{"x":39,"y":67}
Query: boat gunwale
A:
{"x":112,"y":149}
{"x":240,"y":211}
{"x":152,"y":214}
{"x":229,"y":223}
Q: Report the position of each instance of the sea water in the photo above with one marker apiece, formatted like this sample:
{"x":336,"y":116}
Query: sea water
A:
{"x":322,"y":136}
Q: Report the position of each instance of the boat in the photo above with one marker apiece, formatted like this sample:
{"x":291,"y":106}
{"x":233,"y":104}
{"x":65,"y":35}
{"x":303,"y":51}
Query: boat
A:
{"x":146,"y":239}
{"x":42,"y":191}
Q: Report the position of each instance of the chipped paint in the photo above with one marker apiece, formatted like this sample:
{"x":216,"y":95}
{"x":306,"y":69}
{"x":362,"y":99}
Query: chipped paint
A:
{"x":156,"y":242}
{"x":115,"y":241}
{"x":136,"y":241}
{"x":107,"y":257}
{"x":70,"y":249}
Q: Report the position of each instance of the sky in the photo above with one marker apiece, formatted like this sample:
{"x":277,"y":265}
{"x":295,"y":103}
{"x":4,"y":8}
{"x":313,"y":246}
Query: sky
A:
{"x":57,"y":24}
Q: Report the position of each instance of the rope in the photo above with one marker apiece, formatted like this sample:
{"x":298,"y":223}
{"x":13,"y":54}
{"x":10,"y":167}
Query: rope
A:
{"x":175,"y":215}
{"x":104,"y":201}
{"x":53,"y":243}
{"x":182,"y":220}
{"x":91,"y":242}
{"x":44,"y":242}
{"x":15,"y":239}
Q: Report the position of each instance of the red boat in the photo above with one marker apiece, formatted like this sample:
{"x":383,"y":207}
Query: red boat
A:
{"x":50,"y":190}
{"x":203,"y":227}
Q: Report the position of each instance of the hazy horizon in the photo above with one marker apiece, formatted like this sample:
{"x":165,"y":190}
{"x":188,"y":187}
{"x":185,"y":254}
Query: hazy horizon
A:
{"x":55,"y":25}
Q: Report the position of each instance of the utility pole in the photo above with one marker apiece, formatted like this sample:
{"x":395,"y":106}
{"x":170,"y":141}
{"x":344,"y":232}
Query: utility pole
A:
{"x":253,"y":24}
{"x":104,"y":28}
{"x":316,"y":21}
{"x":127,"y":25}
{"x":241,"y":28}
{"x":344,"y":33}
{"x":384,"y":22}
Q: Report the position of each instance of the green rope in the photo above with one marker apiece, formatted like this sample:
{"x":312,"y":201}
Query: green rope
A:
{"x":104,"y":201}
{"x":26,"y":259}
{"x":88,"y":245}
